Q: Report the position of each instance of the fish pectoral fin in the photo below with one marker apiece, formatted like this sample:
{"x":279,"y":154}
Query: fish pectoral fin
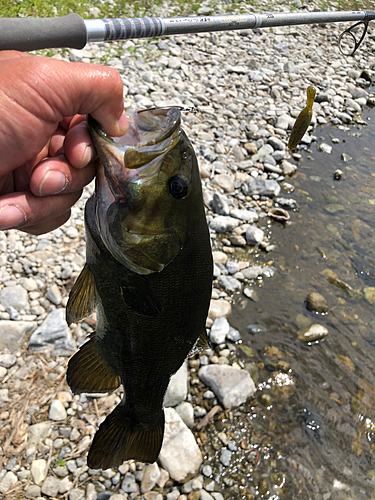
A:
{"x":82,"y":297}
{"x":202,"y":344}
{"x":137,"y":294}
{"x":89,"y":372}
{"x":118,"y":440}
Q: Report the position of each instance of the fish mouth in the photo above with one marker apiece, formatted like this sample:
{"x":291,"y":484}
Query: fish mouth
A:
{"x":131,"y":167}
{"x":137,"y":155}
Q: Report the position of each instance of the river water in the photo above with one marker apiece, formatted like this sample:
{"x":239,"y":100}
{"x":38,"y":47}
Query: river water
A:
{"x":316,"y":408}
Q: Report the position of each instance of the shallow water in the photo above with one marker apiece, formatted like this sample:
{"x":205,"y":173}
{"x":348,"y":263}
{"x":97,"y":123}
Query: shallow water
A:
{"x":320,"y":425}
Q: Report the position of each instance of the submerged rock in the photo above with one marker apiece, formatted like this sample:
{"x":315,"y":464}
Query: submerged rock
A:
{"x":317,"y":303}
{"x":313,"y":333}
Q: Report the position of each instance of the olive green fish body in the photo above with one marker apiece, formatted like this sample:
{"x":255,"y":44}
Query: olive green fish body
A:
{"x":303,"y":120}
{"x":147,"y":323}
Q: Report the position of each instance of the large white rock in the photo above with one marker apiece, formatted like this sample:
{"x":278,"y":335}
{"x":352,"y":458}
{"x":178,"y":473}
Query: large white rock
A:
{"x":180,"y":454}
{"x":231,"y":386}
{"x":177,"y":388}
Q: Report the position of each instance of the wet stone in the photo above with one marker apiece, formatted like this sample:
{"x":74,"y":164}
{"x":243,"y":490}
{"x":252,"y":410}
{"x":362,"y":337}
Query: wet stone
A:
{"x":254,"y":235}
{"x":230,"y":284}
{"x":225,"y":457}
{"x":313,"y":333}
{"x":317,"y":303}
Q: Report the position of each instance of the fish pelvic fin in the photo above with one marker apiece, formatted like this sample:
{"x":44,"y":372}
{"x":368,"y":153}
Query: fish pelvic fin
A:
{"x":118,"y":439}
{"x":82,"y":297}
{"x":89,"y":372}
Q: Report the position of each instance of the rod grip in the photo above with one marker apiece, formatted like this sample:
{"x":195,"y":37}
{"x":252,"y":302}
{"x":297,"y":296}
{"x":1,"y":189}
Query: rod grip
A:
{"x":29,"y":33}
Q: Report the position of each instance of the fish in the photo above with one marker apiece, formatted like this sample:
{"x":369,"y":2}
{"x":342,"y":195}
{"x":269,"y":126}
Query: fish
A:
{"x":148,"y":274}
{"x":303,"y":120}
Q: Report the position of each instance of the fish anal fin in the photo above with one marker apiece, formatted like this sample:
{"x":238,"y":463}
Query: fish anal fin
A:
{"x":202,"y":344}
{"x":82,"y":297}
{"x":118,"y":440}
{"x":89,"y":372}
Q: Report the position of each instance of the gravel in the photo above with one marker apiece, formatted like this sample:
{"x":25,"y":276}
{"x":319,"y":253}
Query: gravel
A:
{"x":247,"y":104}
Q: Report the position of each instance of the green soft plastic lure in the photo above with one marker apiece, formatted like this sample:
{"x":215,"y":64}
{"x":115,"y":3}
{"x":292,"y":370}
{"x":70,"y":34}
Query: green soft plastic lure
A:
{"x":303,"y":120}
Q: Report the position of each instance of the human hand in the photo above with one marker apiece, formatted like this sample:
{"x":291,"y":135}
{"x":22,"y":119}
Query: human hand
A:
{"x":46,"y":154}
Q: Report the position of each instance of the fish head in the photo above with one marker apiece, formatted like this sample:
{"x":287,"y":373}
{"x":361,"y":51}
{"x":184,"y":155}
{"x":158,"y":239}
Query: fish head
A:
{"x":147,"y":183}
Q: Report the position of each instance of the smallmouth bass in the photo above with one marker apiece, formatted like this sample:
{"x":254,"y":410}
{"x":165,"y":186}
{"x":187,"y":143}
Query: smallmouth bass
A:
{"x":303,"y":120}
{"x":148,"y":273}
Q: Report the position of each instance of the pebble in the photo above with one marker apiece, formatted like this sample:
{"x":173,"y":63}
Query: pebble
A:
{"x":39,"y":470}
{"x":317,"y":303}
{"x":219,"y":330}
{"x":50,"y":487}
{"x":8,"y":482}
{"x":12,"y":333}
{"x":224,"y":224}
{"x":32,"y":491}
{"x":57,"y":411}
{"x":151,"y":474}
{"x":186,"y":412}
{"x":313,"y":333}
{"x":180,"y":455}
{"x":7,"y":360}
{"x":225,"y":457}
{"x":254,"y":235}
{"x":231,"y":386}
{"x":177,"y":388}
{"x":53,"y":334}
{"x":54,"y":295}
{"x":15,"y":296}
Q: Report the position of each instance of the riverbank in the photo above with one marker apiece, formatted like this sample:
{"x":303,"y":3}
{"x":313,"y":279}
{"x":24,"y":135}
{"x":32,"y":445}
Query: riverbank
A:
{"x":248,"y":88}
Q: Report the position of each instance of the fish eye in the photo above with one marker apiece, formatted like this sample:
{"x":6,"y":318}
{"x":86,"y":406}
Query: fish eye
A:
{"x":178,"y":187}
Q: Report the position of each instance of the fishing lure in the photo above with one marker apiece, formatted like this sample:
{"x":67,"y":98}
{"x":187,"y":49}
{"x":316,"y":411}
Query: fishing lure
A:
{"x":303,"y":120}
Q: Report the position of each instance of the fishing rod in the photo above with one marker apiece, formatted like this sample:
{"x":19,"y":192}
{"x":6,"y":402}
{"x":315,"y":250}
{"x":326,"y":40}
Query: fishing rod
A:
{"x":72,"y":31}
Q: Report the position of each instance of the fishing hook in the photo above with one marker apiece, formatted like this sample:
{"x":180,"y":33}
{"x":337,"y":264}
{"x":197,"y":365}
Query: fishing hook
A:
{"x":349,"y":31}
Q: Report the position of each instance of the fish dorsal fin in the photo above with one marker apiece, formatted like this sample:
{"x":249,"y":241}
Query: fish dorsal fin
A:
{"x":202,"y":344}
{"x":138,"y":295}
{"x":82,"y":297}
{"x":89,"y":372}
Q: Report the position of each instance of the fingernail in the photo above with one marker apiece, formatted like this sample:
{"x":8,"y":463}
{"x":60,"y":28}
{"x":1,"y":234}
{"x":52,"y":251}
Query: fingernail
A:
{"x":11,"y":217}
{"x":87,"y":156}
{"x":53,"y":183}
{"x":123,"y":123}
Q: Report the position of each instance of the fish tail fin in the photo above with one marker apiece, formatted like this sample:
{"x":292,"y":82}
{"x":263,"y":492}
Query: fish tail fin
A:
{"x":89,"y":372}
{"x":118,"y":439}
